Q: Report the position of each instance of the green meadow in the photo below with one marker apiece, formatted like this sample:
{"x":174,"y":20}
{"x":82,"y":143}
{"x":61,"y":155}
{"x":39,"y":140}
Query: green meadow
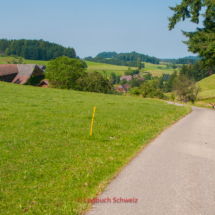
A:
{"x":207,"y":93}
{"x":155,"y":71}
{"x":4,"y":60}
{"x":119,"y":70}
{"x":48,"y":159}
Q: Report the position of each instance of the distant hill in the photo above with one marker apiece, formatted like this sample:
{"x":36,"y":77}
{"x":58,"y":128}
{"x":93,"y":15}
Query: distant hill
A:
{"x":35,"y":49}
{"x":184,"y":60}
{"x":107,"y":55}
{"x":192,"y":57}
{"x":123,"y":59}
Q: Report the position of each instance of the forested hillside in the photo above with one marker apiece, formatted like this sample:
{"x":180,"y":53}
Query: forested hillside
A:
{"x":35,"y":49}
{"x":184,"y":60}
{"x":107,"y":55}
{"x":124,"y":59}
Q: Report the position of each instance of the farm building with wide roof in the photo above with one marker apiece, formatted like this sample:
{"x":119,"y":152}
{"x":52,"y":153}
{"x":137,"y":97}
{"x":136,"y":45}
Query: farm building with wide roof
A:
{"x":19,"y":73}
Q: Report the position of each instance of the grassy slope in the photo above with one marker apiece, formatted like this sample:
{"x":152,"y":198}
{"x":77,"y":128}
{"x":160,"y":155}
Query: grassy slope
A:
{"x":207,"y":87}
{"x":47,"y":158}
{"x":4,"y":60}
{"x":153,"y":68}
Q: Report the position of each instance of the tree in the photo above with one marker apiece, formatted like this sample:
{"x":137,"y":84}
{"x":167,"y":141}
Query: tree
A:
{"x":129,"y":71}
{"x":63,"y":72}
{"x":138,"y":63}
{"x":123,"y":81}
{"x":186,"y":89}
{"x":170,"y":82}
{"x":174,"y":66}
{"x":113,"y":78}
{"x":148,"y":76}
{"x":94,"y":82}
{"x":135,"y":82}
{"x":201,"y":41}
{"x":172,"y":96}
{"x":7,"y":51}
{"x":118,"y":79}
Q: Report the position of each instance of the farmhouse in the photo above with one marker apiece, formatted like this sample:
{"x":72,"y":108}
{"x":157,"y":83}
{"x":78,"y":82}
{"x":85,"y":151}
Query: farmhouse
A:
{"x":19,"y":73}
{"x":136,"y":76}
{"x":122,"y":88}
{"x":126,"y":77}
{"x":142,"y":79}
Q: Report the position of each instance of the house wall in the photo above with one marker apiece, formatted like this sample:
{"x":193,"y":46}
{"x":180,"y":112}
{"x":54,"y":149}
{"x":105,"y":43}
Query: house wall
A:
{"x":7,"y":78}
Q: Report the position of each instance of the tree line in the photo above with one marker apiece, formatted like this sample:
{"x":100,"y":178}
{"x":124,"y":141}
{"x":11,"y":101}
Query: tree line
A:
{"x":35,"y":49}
{"x":122,"y":59}
{"x":182,"y":61}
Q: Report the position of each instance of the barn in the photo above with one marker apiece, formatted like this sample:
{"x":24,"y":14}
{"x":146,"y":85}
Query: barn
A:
{"x":20,"y":73}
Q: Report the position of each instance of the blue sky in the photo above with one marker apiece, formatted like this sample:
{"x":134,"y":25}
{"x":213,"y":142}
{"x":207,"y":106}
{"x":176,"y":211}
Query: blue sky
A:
{"x":93,"y":26}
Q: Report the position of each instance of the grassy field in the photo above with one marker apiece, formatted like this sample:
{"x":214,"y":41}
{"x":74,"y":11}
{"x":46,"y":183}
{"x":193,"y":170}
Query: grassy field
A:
{"x":4,"y":60}
{"x":47,"y":158}
{"x":207,"y":87}
{"x":119,"y":70}
{"x":155,"y":71}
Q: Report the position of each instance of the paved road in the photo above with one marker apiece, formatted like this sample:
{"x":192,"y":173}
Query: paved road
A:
{"x":174,"y":175}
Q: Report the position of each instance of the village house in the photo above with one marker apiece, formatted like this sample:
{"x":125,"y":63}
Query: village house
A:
{"x":122,"y":88}
{"x":126,"y":77}
{"x":142,"y":79}
{"x":136,"y":76}
{"x":19,"y":73}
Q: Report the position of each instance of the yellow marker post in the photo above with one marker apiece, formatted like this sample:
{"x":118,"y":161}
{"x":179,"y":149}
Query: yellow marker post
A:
{"x":91,"y":131}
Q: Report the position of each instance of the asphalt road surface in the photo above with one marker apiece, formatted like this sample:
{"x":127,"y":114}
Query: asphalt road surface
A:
{"x":174,"y":174}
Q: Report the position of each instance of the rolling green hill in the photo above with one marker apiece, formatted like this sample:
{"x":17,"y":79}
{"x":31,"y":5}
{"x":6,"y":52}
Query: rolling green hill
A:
{"x":47,"y":158}
{"x":207,"y":87}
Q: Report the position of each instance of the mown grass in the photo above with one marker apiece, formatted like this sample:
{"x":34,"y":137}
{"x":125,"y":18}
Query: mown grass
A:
{"x":47,"y":158}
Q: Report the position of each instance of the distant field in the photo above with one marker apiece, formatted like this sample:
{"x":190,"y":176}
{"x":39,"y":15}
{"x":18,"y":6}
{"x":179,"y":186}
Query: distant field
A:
{"x":4,"y":60}
{"x":119,"y":70}
{"x":155,"y":71}
{"x":47,"y":158}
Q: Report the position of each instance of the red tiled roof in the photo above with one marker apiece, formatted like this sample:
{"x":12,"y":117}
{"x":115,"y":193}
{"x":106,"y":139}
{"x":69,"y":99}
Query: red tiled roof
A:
{"x":127,"y":77}
{"x":126,"y":85}
{"x":23,"y":71}
{"x":8,"y":69}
